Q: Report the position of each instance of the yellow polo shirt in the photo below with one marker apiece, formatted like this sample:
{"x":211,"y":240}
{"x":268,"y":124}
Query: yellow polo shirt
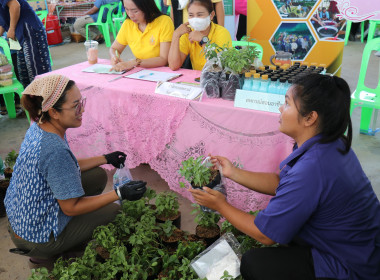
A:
{"x":218,"y":34}
{"x":185,"y":14}
{"x":146,"y":44}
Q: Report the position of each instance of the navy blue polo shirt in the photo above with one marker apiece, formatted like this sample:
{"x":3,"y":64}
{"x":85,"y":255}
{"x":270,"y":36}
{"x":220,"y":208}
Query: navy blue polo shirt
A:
{"x":325,"y":199}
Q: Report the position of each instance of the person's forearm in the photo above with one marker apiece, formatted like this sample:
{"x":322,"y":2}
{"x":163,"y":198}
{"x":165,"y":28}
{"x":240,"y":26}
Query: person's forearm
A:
{"x":174,"y":58}
{"x":92,"y":11}
{"x":88,"y":163}
{"x":243,"y":222}
{"x":153,"y":62}
{"x":87,"y":204}
{"x":219,"y":10}
{"x":14,"y":12}
{"x":265,"y":183}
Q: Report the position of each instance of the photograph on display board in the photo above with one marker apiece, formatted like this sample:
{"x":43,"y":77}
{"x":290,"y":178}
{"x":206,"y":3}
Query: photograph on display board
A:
{"x":294,"y":8}
{"x":326,"y":23}
{"x":294,"y":38}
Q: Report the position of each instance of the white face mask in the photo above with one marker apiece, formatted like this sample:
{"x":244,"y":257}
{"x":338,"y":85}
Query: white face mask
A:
{"x":200,"y":24}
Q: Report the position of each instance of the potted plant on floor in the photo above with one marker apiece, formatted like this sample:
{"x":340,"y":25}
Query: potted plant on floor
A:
{"x":10,"y":161}
{"x":207,"y":228}
{"x":167,"y":208}
{"x":235,"y":62}
{"x":170,"y":235}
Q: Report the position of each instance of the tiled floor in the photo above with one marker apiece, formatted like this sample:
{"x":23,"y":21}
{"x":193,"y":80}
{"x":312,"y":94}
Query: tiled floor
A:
{"x":12,"y":132}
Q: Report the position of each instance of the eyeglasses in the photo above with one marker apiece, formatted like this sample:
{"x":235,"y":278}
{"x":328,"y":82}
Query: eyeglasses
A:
{"x":78,"y":108}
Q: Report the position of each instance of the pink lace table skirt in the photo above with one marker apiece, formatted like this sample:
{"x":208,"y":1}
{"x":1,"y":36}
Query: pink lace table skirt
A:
{"x":126,"y":115}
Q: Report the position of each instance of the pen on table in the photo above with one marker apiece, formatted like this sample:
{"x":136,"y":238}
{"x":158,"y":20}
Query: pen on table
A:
{"x":117,"y":78}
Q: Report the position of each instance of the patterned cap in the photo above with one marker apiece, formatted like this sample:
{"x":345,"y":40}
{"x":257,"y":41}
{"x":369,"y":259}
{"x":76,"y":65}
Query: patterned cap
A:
{"x":49,"y":87}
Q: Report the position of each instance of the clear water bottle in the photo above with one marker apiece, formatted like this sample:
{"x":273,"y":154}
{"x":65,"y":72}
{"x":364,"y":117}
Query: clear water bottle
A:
{"x":256,"y":82}
{"x":247,"y":81}
{"x":273,"y":85}
{"x":264,"y":83}
{"x":282,"y":86}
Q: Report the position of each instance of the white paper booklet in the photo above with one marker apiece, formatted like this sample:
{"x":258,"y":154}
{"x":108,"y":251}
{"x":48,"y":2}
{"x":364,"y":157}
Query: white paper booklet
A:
{"x":178,"y":90}
{"x":101,"y":69}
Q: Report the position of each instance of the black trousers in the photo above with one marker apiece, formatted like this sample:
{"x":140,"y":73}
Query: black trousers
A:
{"x":280,"y":263}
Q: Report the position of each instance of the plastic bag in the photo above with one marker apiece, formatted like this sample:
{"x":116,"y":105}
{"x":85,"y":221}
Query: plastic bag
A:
{"x":210,"y":79}
{"x":229,"y":83}
{"x":223,"y":255}
{"x":121,"y":176}
{"x":220,"y":187}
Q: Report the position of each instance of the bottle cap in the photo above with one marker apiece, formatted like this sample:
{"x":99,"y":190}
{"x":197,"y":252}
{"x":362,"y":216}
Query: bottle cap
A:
{"x":248,"y":74}
{"x":262,"y":68}
{"x":264,"y":77}
{"x":272,"y":67}
{"x":253,"y":71}
{"x":273,"y":79}
{"x":256,"y":75}
{"x":282,"y":80}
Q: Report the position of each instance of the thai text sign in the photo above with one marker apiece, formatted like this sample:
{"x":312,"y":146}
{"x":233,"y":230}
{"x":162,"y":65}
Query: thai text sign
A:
{"x":260,"y":101}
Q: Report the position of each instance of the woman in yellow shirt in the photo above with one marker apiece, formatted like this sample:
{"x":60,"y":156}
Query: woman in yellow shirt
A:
{"x":147,"y":32}
{"x":191,"y":41}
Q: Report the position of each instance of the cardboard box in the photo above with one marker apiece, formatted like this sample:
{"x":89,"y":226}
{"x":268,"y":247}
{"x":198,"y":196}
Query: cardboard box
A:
{"x":37,"y":5}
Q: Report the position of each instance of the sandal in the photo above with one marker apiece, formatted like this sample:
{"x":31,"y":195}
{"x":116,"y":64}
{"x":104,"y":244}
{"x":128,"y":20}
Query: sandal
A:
{"x":3,"y":111}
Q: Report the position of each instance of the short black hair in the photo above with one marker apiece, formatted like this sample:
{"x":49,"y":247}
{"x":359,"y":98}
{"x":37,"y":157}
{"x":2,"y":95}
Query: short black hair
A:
{"x":149,"y":8}
{"x":330,"y":97}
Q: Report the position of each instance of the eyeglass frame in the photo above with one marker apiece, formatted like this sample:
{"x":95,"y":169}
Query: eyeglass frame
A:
{"x":78,"y":108}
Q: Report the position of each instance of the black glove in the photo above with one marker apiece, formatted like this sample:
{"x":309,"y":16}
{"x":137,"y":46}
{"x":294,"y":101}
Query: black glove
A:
{"x":133,"y":190}
{"x":116,"y":158}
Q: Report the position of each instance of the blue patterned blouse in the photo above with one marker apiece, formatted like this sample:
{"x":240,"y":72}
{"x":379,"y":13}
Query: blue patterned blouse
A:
{"x":45,"y":170}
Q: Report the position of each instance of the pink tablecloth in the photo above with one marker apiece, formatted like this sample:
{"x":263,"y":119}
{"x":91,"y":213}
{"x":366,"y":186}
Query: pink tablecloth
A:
{"x":126,"y":115}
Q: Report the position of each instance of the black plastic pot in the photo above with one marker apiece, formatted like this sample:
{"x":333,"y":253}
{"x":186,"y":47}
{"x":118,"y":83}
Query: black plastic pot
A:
{"x":176,"y":220}
{"x":210,"y":83}
{"x":3,"y":190}
{"x":209,"y":239}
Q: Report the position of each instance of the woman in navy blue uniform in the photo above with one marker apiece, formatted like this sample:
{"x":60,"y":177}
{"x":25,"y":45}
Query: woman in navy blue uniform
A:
{"x":324,"y":212}
{"x":21,"y":23}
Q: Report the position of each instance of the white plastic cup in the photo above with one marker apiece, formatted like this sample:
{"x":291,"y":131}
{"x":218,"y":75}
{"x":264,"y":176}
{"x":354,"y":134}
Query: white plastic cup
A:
{"x":92,"y":51}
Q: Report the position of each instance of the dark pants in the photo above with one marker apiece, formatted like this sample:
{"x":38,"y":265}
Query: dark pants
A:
{"x":79,"y":230}
{"x":293,"y":263}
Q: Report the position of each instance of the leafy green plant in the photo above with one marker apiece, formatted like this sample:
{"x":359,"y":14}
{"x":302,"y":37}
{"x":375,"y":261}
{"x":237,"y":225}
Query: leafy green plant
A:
{"x":211,"y":50}
{"x":228,"y":227}
{"x":10,"y":159}
{"x":238,"y":61}
{"x":41,"y":273}
{"x":168,"y":228}
{"x":105,"y":236}
{"x":167,"y":204}
{"x":149,"y":195}
{"x":195,"y":172}
{"x":205,"y":219}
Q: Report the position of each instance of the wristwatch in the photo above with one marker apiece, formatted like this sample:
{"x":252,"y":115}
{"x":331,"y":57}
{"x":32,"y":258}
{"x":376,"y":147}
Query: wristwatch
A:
{"x":204,"y":40}
{"x":138,"y":62}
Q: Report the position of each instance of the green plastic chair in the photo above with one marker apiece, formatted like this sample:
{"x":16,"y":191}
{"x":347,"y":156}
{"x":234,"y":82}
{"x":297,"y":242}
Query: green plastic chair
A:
{"x":119,"y":17}
{"x":365,"y":97}
{"x":8,"y":91}
{"x":348,"y":29}
{"x":42,"y":15}
{"x":246,"y":43}
{"x":372,"y":28}
{"x":105,"y":26}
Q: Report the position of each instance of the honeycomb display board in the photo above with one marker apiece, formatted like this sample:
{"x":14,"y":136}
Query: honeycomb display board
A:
{"x":294,"y":27}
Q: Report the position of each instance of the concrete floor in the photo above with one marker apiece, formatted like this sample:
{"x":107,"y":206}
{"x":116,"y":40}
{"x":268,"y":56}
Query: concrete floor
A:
{"x":12,"y":132}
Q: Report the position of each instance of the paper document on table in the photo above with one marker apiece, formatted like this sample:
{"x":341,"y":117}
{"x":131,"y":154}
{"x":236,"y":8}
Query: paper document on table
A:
{"x":14,"y":45}
{"x":153,"y":76}
{"x":178,"y":90}
{"x":101,"y":69}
